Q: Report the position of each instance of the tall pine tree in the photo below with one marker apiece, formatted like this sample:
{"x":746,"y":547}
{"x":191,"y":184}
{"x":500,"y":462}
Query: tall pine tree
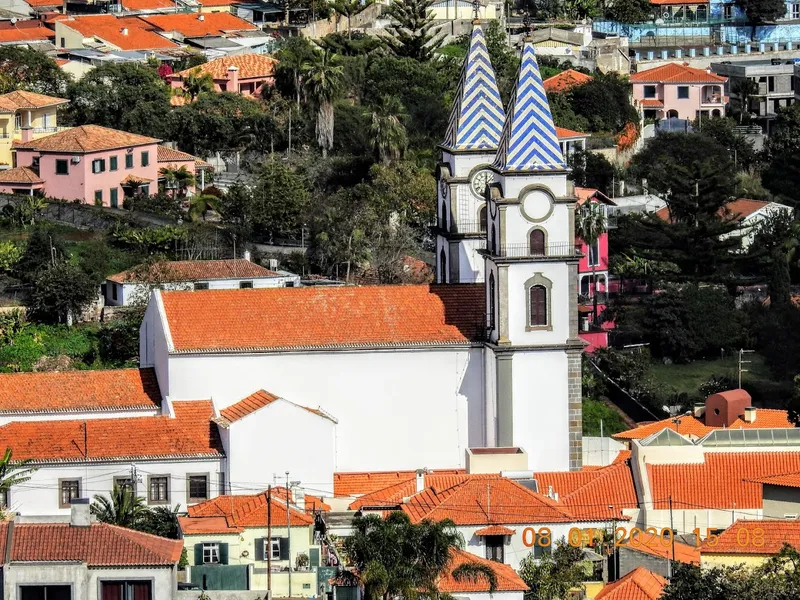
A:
{"x":414,"y":34}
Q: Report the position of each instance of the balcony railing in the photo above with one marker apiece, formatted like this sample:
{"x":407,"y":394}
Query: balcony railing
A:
{"x":469,"y":227}
{"x":554,"y":250}
{"x":49,"y":129}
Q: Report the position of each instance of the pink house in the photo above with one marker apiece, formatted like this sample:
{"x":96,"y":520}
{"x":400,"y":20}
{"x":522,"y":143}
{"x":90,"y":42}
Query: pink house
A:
{"x":593,"y":277}
{"x":93,"y":164}
{"x":245,"y":74}
{"x":679,"y":91}
{"x":171,"y":158}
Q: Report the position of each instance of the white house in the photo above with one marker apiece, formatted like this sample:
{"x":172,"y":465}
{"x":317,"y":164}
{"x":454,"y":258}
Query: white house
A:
{"x":128,"y":287}
{"x":84,"y":560}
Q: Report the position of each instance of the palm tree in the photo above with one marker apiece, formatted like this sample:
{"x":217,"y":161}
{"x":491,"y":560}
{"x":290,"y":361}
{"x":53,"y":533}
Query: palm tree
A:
{"x":387,"y":130}
{"x":161,"y":521}
{"x":201,"y":204}
{"x":323,"y":79}
{"x":475,"y":571}
{"x":197,"y":83}
{"x":745,"y":89}
{"x":181,"y":178}
{"x":590,"y":225}
{"x":13,"y":472}
{"x":123,"y":508}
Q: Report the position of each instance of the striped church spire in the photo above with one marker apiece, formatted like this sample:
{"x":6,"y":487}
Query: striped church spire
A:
{"x":476,"y":120}
{"x":529,"y":141}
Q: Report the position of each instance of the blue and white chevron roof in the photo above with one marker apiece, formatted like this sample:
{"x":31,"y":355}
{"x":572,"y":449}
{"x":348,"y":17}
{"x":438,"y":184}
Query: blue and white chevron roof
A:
{"x":476,"y":121}
{"x":529,"y":141}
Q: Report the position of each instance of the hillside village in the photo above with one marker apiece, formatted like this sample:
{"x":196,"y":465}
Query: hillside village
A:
{"x":399,"y":299}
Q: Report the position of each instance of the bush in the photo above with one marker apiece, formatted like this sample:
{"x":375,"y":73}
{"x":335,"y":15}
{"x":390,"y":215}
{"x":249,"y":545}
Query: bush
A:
{"x":595,"y":411}
{"x":118,"y":342}
{"x":61,"y":292}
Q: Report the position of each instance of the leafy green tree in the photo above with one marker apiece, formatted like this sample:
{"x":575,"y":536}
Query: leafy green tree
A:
{"x":414,"y":33}
{"x":322,"y":80}
{"x":161,"y":521}
{"x":590,"y":224}
{"x":236,"y":207}
{"x":744,"y":89}
{"x":96,"y":260}
{"x":294,"y":53}
{"x":279,"y":200}
{"x":781,"y":175}
{"x":762,"y":11}
{"x":604,"y":102}
{"x":553,"y":575}
{"x":592,"y":170}
{"x":629,"y":11}
{"x":394,"y":557}
{"x":197,"y":83}
{"x":123,"y":507}
{"x":14,"y":472}
{"x":723,"y":131}
{"x":348,"y":8}
{"x":353,"y":43}
{"x":200,"y":205}
{"x":387,"y":130}
{"x":61,"y":292}
{"x":44,"y":247}
{"x":595,"y":411}
{"x":772,"y":251}
{"x":10,"y":254}
{"x":26,"y":69}
{"x":404,"y":192}
{"x":179,"y":179}
{"x":127,"y":96}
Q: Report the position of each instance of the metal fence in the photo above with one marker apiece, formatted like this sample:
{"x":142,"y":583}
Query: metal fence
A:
{"x":555,"y":250}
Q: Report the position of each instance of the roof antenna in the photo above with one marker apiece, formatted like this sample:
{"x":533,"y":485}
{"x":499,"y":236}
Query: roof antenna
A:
{"x":476,"y":6}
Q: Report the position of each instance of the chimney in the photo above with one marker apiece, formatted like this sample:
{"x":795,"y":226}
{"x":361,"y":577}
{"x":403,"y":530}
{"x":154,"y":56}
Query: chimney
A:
{"x":247,"y":255}
{"x":699,"y":409}
{"x":300,"y":499}
{"x":26,"y":134}
{"x":233,"y":80}
{"x":79,"y":513}
{"x":750,"y":414}
{"x":124,"y":31}
{"x":201,"y":17}
{"x":724,"y":408}
{"x":421,"y":479}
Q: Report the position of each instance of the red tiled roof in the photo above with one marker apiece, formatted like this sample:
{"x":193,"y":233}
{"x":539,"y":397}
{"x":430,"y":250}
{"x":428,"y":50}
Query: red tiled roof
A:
{"x":86,"y":138}
{"x":614,"y":484}
{"x":20,"y":175}
{"x":313,"y":317}
{"x":79,"y":391}
{"x":171,"y":155}
{"x":507,"y":578}
{"x":689,"y":425}
{"x":256,"y":401}
{"x":563,"y":133}
{"x":639,"y":584}
{"x":190,"y":434}
{"x":20,"y":99}
{"x":40,"y":3}
{"x":147,"y":4}
{"x":495,"y":530}
{"x":26,"y":35}
{"x":360,"y":483}
{"x":676,"y":73}
{"x":656,"y":545}
{"x":652,"y":103}
{"x":781,"y":479}
{"x":754,"y":537}
{"x":191,"y":25}
{"x":125,"y":33}
{"x":193,"y":270}
{"x":584,"y":194}
{"x":216,"y":2}
{"x":736,"y":210}
{"x":99,"y":545}
{"x":565,"y":80}
{"x":724,"y":480}
{"x":231,"y":514}
{"x":251,"y":66}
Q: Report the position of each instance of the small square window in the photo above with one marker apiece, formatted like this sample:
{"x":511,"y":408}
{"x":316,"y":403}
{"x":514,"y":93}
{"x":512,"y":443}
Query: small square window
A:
{"x":98,"y":165}
{"x":210,"y":553}
{"x":69,"y":490}
{"x":272,"y":548}
{"x":62,"y":167}
{"x":245,"y":285}
{"x":649,"y":91}
{"x":125,"y":483}
{"x":683,"y":92}
{"x":145,"y":159}
{"x":129,"y":161}
{"x":112,"y":163}
{"x":159,"y":489}
{"x":200,"y":286}
{"x":198,"y":488}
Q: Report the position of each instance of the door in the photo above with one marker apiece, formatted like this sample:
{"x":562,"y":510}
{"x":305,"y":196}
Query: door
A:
{"x":494,"y":547}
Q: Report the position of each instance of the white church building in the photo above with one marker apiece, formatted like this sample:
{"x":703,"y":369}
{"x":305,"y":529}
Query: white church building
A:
{"x":238,"y":386}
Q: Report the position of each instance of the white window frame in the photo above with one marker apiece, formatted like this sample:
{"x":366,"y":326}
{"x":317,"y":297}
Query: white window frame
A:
{"x":596,"y":247}
{"x":272,"y":548}
{"x":98,"y":165}
{"x":795,"y":11}
{"x":210,"y":553}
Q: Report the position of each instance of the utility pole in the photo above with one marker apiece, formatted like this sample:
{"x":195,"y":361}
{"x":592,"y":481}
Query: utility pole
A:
{"x":672,"y":536}
{"x":288,"y":534}
{"x":742,"y":352}
{"x":268,"y":549}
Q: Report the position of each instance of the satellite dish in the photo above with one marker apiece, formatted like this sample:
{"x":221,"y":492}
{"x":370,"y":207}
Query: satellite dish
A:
{"x":13,"y":20}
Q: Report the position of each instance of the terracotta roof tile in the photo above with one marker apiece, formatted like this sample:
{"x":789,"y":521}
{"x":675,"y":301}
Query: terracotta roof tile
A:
{"x":614,"y":484}
{"x":79,"y":391}
{"x":754,"y":537}
{"x":565,"y":80}
{"x":24,"y":175}
{"x":170,"y":155}
{"x":349,"y":316}
{"x":147,"y":4}
{"x":563,"y":133}
{"x":41,"y":3}
{"x":256,"y":401}
{"x":495,"y":530}
{"x":689,"y":425}
{"x":99,"y":545}
{"x":656,"y":545}
{"x":231,"y":514}
{"x":20,"y":99}
{"x":781,"y":479}
{"x":724,"y":480}
{"x":676,"y":73}
{"x":125,"y":33}
{"x":639,"y":584}
{"x":194,"y":270}
{"x":360,"y":483}
{"x":507,"y":578}
{"x":216,"y":2}
{"x":652,"y":103}
{"x":190,"y":433}
{"x":86,"y":138}
{"x":391,"y":496}
{"x":190,"y":24}
{"x":250,"y":66}
{"x":26,"y":35}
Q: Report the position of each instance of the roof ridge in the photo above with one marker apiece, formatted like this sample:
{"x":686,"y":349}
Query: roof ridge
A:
{"x":130,"y":535}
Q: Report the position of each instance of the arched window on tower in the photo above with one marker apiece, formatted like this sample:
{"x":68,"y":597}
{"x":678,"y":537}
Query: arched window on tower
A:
{"x":482,"y":219}
{"x":493,"y":240}
{"x":444,"y":216}
{"x":442,"y":266}
{"x":537,"y":242}
{"x":490,"y":319}
{"x":538,"y":305}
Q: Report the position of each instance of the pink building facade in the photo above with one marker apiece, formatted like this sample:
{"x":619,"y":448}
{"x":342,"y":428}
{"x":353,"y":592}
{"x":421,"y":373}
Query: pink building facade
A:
{"x":244,"y":74}
{"x":92,"y":164}
{"x":593,"y":274}
{"x":679,"y":91}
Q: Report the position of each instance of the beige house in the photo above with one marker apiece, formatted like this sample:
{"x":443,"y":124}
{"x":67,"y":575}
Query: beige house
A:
{"x":25,"y":110}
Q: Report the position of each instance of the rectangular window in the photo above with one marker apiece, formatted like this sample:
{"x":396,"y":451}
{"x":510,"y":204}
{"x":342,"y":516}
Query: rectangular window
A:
{"x":683,"y":92}
{"x":112,"y":163}
{"x":272,"y":548}
{"x":200,"y":286}
{"x":126,"y":590}
{"x":594,"y":254}
{"x":198,"y":488}
{"x":159,"y":489}
{"x":70,"y":489}
{"x":63,"y":43}
{"x":129,"y":161}
{"x":538,"y":549}
{"x":46,"y":120}
{"x":125,"y":483}
{"x":145,"y":159}
{"x":98,"y":165}
{"x":796,"y":11}
{"x":771,"y":83}
{"x":538,"y":306}
{"x":113,"y":197}
{"x":62,"y":167}
{"x":245,"y":285}
{"x":210,"y":553}
{"x":144,"y":190}
{"x":45,"y":592}
{"x":649,"y":91}
{"x":114,"y":291}
{"x":98,"y":197}
{"x":17,"y":121}
{"x":727,"y":11}
{"x":5,"y":498}
{"x":495,"y":546}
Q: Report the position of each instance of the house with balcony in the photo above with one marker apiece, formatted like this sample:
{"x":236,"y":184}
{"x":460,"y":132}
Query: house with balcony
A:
{"x":765,"y":86}
{"x":244,"y":74}
{"x":593,"y":276}
{"x":678,"y":91}
{"x":20,"y":110}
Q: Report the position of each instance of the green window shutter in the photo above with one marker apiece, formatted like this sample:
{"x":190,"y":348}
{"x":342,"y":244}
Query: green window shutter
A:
{"x":198,"y":554}
{"x":223,"y":554}
{"x":313,"y":557}
{"x":284,"y":548}
{"x":259,"y":554}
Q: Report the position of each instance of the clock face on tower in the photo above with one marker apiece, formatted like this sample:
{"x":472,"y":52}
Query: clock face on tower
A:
{"x":480,"y":181}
